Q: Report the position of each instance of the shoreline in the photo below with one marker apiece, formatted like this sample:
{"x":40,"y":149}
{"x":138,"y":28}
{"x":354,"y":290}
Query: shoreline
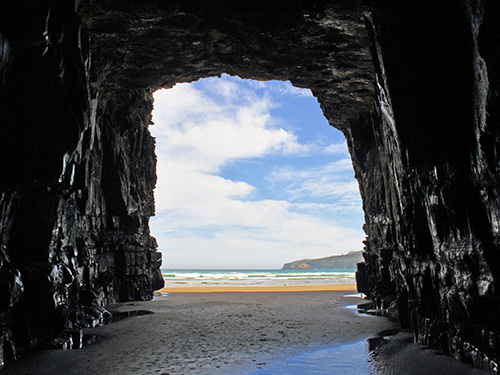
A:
{"x":258,"y":289}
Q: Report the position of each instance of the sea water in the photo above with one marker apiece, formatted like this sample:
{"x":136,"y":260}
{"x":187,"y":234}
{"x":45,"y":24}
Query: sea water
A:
{"x":262,"y":277}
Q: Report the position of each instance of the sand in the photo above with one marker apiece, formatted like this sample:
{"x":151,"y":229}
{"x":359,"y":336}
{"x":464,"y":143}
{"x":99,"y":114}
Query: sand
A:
{"x":258,"y":289}
{"x":235,"y":333}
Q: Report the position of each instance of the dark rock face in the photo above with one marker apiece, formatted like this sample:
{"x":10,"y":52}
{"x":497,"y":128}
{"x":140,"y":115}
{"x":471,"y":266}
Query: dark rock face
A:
{"x":77,"y":174}
{"x":420,"y":111}
{"x":429,"y":180}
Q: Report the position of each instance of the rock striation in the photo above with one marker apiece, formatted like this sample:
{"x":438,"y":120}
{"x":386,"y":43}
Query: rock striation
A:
{"x":413,"y":87}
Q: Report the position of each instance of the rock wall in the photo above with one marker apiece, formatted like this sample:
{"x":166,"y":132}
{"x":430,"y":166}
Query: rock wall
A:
{"x":429,"y":179}
{"x":76,"y":183}
{"x":413,"y":87}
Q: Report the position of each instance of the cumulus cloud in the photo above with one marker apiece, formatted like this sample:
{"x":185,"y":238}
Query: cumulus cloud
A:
{"x":202,"y":133}
{"x":208,"y":219}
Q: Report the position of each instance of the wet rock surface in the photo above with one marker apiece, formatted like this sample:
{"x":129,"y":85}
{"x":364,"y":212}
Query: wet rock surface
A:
{"x":76,"y":190}
{"x":414,"y":88}
{"x":429,"y":179}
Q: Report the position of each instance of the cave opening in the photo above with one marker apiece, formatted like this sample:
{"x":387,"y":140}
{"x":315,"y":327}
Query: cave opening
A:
{"x":250,"y":176}
{"x":76,"y":80}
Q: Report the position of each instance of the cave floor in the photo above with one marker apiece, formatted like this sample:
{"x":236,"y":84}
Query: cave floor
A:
{"x":245,"y":333}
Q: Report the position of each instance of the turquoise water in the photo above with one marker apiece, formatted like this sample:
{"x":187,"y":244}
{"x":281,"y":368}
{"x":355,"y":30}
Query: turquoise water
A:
{"x":262,"y":277}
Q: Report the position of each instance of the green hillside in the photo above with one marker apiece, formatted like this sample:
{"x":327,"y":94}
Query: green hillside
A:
{"x":345,"y":261}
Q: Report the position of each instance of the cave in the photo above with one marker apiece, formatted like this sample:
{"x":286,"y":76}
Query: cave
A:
{"x":414,"y":88}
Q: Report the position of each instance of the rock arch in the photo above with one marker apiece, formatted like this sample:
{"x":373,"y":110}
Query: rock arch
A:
{"x":413,"y":88}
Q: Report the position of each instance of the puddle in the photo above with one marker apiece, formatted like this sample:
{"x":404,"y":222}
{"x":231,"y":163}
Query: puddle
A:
{"x":160,"y":296}
{"x":392,"y":352}
{"x":366,"y":308}
{"x":351,"y":307}
{"x":343,"y":359}
{"x":355,"y":295}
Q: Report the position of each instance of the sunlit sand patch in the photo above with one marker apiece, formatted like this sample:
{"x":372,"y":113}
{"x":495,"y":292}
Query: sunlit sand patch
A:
{"x":259,"y":289}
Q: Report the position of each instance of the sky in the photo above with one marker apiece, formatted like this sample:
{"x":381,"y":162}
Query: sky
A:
{"x":250,"y":176}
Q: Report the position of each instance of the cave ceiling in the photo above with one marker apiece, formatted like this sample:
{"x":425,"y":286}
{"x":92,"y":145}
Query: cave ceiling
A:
{"x":156,"y":44}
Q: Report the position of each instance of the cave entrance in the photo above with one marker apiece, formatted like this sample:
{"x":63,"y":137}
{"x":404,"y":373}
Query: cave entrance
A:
{"x":250,"y":176}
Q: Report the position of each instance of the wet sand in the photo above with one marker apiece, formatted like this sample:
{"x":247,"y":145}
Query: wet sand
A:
{"x":238,"y":333}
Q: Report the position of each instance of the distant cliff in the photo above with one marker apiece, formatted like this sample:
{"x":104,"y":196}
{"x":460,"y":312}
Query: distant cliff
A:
{"x":344,"y":261}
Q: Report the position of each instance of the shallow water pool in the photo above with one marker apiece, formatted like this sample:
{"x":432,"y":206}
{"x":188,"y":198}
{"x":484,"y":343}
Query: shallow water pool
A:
{"x":343,"y":359}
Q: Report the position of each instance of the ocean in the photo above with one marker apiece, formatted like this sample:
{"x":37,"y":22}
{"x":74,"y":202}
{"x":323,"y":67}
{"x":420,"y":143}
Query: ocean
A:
{"x":263,"y":277}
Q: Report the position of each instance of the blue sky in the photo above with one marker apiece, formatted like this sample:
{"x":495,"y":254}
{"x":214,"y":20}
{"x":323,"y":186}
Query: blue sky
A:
{"x":250,"y":175}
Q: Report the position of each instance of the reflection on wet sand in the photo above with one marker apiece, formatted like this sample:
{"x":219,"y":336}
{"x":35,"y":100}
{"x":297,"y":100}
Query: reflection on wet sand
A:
{"x":392,"y":352}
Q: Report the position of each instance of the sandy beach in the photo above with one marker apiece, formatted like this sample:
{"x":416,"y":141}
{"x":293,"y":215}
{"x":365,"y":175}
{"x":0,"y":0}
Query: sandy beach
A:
{"x":242,"y":333}
{"x":259,"y":289}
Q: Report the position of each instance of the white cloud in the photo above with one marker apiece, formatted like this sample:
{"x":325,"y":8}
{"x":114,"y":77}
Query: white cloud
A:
{"x":266,"y":239}
{"x":196,"y":130}
{"x":336,"y":149}
{"x":283,"y":88}
{"x":329,"y":170}
{"x":332,"y":180}
{"x":224,"y":222}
